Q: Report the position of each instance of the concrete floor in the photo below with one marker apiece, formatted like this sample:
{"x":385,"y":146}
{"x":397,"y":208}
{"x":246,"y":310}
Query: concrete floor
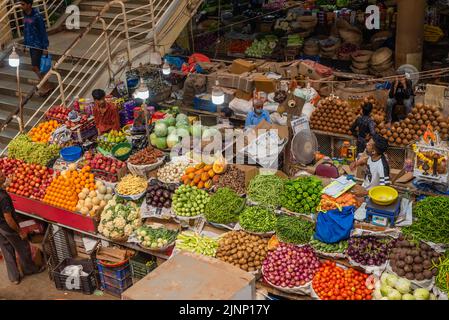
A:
{"x":38,"y":287}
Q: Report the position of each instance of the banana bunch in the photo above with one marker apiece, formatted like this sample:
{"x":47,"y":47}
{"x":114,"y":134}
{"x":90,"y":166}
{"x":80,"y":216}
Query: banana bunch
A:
{"x":432,"y":33}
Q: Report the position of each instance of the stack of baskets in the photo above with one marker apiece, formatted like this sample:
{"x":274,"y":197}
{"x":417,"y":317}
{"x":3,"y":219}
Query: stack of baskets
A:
{"x":329,"y":46}
{"x":311,"y":47}
{"x":115,"y":279}
{"x":381,"y":63}
{"x":360,"y":61}
{"x":351,"y":35}
{"x":307,"y":25}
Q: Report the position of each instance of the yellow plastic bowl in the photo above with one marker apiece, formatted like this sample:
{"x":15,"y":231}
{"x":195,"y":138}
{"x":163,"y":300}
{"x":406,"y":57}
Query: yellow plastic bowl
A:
{"x":383,"y":195}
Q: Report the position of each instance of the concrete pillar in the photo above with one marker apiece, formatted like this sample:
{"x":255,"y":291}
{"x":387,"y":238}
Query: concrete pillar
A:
{"x":410,"y":32}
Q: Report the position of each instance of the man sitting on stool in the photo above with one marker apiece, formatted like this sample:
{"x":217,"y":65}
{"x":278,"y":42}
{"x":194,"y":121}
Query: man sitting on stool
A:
{"x":401,"y":93}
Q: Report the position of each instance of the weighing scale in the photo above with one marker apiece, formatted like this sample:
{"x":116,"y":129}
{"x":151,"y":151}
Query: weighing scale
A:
{"x":382,"y":215}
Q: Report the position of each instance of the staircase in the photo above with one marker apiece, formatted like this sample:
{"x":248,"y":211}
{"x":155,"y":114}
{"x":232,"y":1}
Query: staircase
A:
{"x":83,"y":63}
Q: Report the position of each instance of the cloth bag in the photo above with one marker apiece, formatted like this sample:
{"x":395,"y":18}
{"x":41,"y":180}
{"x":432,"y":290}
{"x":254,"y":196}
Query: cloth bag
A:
{"x":334,"y":226}
{"x":45,"y":64}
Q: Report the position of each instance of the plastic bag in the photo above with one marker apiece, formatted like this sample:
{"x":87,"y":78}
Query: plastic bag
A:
{"x":241,"y":106}
{"x":334,"y":225}
{"x":45,"y":63}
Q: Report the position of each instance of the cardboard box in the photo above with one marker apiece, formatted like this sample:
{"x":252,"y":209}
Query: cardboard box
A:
{"x":308,"y":71}
{"x":268,"y":67}
{"x":288,"y":69}
{"x":240,"y":66}
{"x":263,"y":83}
{"x":240,"y":94}
{"x":243,"y":82}
{"x":187,"y":276}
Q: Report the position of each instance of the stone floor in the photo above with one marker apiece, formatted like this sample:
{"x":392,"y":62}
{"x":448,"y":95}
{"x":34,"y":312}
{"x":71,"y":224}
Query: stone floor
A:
{"x":38,"y":287}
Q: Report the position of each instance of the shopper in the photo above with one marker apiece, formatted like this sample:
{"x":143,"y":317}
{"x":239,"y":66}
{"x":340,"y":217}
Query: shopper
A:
{"x":36,"y":40}
{"x":401,"y":93}
{"x":364,"y":127}
{"x":105,"y":114}
{"x":12,"y":241}
{"x":255,"y":117}
{"x":378,"y":169}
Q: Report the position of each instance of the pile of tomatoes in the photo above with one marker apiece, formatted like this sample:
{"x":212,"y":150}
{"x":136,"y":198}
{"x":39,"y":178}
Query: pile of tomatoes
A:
{"x":332,"y":282}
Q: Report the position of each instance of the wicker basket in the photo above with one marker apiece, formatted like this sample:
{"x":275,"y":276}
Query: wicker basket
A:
{"x":144,"y":170}
{"x":360,"y":65}
{"x":359,"y":71}
{"x":307,"y":22}
{"x":383,"y":67}
{"x":381,"y":56}
{"x":362,"y":56}
{"x":351,"y":35}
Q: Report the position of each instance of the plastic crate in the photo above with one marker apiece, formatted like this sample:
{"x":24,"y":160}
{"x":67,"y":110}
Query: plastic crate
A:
{"x":204,"y":102}
{"x":121,"y":284}
{"x":87,"y":284}
{"x":117,"y":292}
{"x":139,"y":267}
{"x":116,"y":273}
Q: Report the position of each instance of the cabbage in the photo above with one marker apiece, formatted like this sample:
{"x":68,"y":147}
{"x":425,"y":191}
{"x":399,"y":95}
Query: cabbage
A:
{"x":389,"y":279}
{"x":210,"y":132}
{"x":383,"y":277}
{"x":171,"y":129}
{"x":161,"y":143}
{"x":385,"y":289}
{"x":153,"y":138}
{"x":196,"y":130}
{"x":377,"y":294}
{"x":384,"y":298}
{"x":182,"y":132}
{"x":182,"y":118}
{"x":172,"y":140}
{"x":402,"y":285}
{"x":160,"y":129}
{"x":170,"y":121}
{"x":421,"y":294}
{"x":408,"y":296}
{"x":433,"y":297}
{"x":394,"y":295}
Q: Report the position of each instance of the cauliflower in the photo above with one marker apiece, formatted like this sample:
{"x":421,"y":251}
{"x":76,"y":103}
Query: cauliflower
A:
{"x":107,"y":216}
{"x":128,"y":230}
{"x":119,"y":222}
{"x":115,"y":234}
{"x":137,"y":223}
{"x":110,"y":225}
{"x":106,"y":233}
{"x":132,"y":216}
{"x":100,"y":228}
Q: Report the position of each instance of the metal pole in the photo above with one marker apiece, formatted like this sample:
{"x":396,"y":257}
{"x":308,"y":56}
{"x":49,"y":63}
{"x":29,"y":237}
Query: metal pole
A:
{"x":61,"y":88}
{"x":46,"y":13}
{"x":14,"y":9}
{"x":19,"y":90}
{"x":108,"y":46}
{"x":125,"y":23}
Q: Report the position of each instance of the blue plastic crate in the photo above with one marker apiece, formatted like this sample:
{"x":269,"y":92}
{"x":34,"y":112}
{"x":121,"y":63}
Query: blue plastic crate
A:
{"x":117,"y":292}
{"x":121,"y":284}
{"x":204,"y":102}
{"x":116,"y":273}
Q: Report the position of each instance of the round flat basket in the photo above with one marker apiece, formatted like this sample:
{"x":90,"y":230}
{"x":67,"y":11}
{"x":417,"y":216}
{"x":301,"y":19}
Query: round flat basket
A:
{"x":133,"y":197}
{"x":351,"y":35}
{"x":144,"y":170}
{"x":260,"y":234}
{"x":221,"y":226}
{"x":381,"y":56}
{"x":359,"y":71}
{"x":162,"y":249}
{"x":361,"y":56}
{"x":360,"y":65}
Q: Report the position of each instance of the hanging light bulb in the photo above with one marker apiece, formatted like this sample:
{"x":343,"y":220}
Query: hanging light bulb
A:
{"x":218,"y":95}
{"x":14,"y":59}
{"x":166,"y":70}
{"x":142,"y":92}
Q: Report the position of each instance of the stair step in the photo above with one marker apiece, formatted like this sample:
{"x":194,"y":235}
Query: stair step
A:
{"x":10,"y":103}
{"x":96,"y":6}
{"x":63,"y":68}
{"x":26,"y":77}
{"x":97,"y":28}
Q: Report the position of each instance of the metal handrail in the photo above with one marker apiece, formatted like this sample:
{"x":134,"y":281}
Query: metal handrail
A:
{"x":109,"y":42}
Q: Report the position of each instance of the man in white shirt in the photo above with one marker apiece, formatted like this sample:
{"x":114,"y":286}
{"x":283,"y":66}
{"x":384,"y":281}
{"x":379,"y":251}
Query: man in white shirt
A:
{"x":378,"y":169}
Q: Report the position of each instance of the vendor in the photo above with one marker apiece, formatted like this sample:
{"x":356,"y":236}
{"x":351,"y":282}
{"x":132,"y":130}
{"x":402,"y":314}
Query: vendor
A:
{"x":401,"y":93}
{"x":378,"y":169}
{"x":105,"y":114}
{"x":255,"y":117}
{"x":364,"y":127}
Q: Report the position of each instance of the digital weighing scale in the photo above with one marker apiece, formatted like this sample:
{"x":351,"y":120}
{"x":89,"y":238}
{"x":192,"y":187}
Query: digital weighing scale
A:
{"x":382,"y":215}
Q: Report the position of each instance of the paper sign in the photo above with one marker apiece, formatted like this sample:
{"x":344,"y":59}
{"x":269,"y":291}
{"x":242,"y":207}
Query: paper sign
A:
{"x":299,"y":124}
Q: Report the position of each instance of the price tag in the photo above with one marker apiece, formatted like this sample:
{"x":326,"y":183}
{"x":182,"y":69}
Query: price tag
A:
{"x":299,"y":124}
{"x":147,"y":211}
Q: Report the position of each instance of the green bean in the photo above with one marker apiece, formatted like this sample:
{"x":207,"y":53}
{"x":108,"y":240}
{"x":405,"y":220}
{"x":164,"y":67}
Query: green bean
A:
{"x":294,"y":230}
{"x":224,"y":207}
{"x":266,"y":189}
{"x":442,"y":277}
{"x":258,"y":219}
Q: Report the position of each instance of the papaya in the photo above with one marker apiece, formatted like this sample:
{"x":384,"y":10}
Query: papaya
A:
{"x":200,"y":172}
{"x":190,"y":170}
{"x":204,"y":177}
{"x":207,"y":168}
{"x":200,"y":165}
{"x":197,"y":178}
{"x":200,"y":185}
{"x":191,"y":175}
{"x":187,"y":181}
{"x":208,"y":184}
{"x":211,"y":173}
{"x":184,"y":177}
{"x":216,"y":179}
{"x":192,"y":184}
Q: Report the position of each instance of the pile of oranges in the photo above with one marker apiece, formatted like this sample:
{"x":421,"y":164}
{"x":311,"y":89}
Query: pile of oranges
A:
{"x":63,"y":191}
{"x":43,"y":131}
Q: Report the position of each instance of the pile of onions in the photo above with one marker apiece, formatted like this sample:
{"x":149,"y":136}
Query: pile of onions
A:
{"x":290,"y":266}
